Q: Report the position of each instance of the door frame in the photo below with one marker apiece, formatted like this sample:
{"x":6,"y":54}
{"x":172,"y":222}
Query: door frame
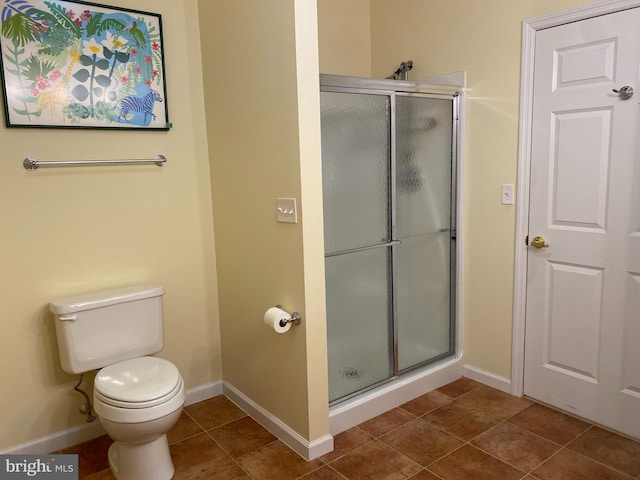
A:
{"x":529,"y":29}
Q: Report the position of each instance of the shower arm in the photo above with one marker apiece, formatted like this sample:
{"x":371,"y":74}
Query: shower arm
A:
{"x":402,"y":73}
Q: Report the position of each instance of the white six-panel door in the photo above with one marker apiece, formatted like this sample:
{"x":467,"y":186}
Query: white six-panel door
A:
{"x":582,"y":348}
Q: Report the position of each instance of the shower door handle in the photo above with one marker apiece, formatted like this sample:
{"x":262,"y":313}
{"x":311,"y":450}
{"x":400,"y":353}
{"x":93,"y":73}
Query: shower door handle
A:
{"x":362,"y":249}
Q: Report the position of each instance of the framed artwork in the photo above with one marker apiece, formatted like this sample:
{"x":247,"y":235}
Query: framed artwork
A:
{"x":75,"y":64}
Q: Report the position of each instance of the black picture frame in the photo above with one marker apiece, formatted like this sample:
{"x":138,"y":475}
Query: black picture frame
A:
{"x":76,"y":64}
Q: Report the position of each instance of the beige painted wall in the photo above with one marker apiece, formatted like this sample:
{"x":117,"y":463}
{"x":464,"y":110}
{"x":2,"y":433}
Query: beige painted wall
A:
{"x":66,"y":231}
{"x":345,"y":34}
{"x":312,"y":226}
{"x":483,"y":38}
{"x":257,"y":118}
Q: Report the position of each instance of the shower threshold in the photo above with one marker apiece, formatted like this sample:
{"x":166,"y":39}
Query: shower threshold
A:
{"x":348,"y":412}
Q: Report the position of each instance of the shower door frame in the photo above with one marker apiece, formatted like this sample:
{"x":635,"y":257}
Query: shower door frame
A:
{"x":391,"y":89}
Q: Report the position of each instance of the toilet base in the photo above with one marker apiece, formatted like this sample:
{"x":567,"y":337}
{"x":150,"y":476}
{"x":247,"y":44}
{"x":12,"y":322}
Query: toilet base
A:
{"x":137,"y":461}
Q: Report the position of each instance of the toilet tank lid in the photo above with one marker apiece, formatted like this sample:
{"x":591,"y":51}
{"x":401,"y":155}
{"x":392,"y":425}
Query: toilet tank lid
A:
{"x":103,"y":298}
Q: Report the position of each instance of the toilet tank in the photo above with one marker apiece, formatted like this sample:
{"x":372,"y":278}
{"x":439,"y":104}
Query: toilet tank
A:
{"x":105,"y":327}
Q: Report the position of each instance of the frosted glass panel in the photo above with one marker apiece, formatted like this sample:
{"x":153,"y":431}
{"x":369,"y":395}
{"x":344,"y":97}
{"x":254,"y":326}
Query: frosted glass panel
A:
{"x":355,"y":166}
{"x":423,"y":300}
{"x":359,"y":328}
{"x":423,"y":206}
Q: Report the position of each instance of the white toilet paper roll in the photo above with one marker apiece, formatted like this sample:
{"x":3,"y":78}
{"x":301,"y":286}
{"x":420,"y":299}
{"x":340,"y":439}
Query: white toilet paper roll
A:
{"x":272,"y":319}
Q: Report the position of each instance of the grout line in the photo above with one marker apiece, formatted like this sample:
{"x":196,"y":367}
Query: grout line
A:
{"x":526,"y":472}
{"x":202,"y":430}
{"x":598,"y":462}
{"x":320,"y":467}
{"x":578,"y":436}
{"x":582,"y":419}
{"x":206,"y":432}
{"x":371,"y":439}
{"x":561,"y":447}
{"x":231,"y":457}
{"x":434,"y":474}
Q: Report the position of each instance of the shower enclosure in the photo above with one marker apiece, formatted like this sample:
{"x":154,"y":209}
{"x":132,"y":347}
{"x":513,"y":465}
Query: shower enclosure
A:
{"x":389,"y":186}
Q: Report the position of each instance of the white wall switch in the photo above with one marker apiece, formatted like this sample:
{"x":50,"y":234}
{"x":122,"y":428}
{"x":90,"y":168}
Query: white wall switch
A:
{"x":507,"y":193}
{"x":286,"y":210}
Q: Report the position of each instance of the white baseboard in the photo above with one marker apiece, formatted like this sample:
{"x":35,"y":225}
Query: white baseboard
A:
{"x":203,"y":392}
{"x":58,"y":440}
{"x":81,"y":433}
{"x":306,"y":449}
{"x":371,"y":404}
{"x":487,"y":378}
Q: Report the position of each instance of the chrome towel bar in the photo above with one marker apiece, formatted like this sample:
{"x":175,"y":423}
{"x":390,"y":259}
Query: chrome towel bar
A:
{"x":32,"y":163}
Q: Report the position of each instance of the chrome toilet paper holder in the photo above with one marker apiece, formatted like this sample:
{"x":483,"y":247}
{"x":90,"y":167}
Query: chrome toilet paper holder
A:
{"x":295,"y":318}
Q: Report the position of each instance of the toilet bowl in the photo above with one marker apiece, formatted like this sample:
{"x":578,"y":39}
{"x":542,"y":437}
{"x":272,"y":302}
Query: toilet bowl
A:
{"x":138,"y":402}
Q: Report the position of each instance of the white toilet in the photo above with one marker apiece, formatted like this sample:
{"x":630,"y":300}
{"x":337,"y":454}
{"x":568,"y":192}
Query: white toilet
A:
{"x":138,"y":398}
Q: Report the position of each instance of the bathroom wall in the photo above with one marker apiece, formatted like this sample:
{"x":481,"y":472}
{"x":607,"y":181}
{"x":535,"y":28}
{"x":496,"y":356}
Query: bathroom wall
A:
{"x":483,"y":38}
{"x":261,"y":95}
{"x":344,"y":31}
{"x":65,"y":231}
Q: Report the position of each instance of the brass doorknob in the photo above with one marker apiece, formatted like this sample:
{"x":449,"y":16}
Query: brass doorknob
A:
{"x":538,"y":242}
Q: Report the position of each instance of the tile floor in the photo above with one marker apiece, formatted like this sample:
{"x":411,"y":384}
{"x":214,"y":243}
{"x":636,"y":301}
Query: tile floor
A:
{"x":463,"y":430}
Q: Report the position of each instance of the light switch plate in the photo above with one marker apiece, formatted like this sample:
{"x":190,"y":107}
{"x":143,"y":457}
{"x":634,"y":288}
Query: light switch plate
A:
{"x":507,"y":193}
{"x":286,"y":210}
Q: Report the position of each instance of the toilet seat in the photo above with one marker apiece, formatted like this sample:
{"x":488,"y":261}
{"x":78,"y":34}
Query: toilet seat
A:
{"x":138,"y":390}
{"x":150,"y":403}
{"x":138,"y":383}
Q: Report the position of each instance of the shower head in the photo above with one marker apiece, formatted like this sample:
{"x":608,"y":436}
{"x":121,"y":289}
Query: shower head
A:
{"x":402,"y":73}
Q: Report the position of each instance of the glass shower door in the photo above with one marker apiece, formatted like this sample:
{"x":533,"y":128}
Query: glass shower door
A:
{"x":356,"y":150}
{"x":423,"y":199}
{"x":389,"y":189}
